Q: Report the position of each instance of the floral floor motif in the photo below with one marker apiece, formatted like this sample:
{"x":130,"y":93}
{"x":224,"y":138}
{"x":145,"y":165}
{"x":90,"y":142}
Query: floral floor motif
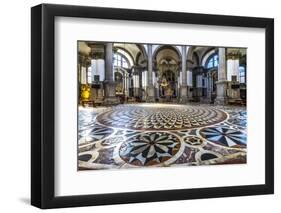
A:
{"x":149,"y":148}
{"x":225,"y":136}
{"x":147,"y":135}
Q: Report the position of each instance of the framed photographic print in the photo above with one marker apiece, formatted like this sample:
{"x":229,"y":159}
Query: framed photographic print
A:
{"x":140,"y":106}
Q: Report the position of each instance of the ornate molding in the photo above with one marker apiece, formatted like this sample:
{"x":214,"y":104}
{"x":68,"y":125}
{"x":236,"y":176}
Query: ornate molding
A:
{"x":233,"y":55}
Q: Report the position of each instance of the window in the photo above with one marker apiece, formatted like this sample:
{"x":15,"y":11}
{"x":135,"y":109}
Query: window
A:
{"x":120,"y":61}
{"x":213,"y":61}
{"x":242,"y":74}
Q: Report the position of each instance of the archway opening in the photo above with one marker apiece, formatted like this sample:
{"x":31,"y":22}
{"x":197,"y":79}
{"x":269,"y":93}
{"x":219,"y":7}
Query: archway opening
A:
{"x":167,"y":60}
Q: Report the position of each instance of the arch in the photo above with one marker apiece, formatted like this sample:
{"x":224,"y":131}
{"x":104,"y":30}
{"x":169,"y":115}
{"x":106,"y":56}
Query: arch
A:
{"x":169,"y":47}
{"x":190,"y":53}
{"x":207,"y":54}
{"x":131,"y":49}
{"x":138,"y":58}
{"x":212,"y":61}
{"x":120,"y":59}
{"x":142,"y":50}
{"x":124,"y":52}
{"x":196,"y":57}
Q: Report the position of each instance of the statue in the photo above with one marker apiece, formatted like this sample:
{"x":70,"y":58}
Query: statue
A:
{"x":85,"y":92}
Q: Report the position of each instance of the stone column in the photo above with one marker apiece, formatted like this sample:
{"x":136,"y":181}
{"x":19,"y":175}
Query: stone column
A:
{"x":130,"y":86}
{"x":209,"y":85}
{"x":109,"y":84}
{"x":199,"y":86}
{"x":232,"y":74}
{"x":144,"y":84}
{"x":189,"y":83}
{"x":136,"y":82}
{"x":178,"y":85}
{"x":222,"y":79}
{"x":125,"y":84}
{"x":156,"y":83}
{"x":150,"y":88}
{"x":183,"y":86}
{"x":140,"y":83}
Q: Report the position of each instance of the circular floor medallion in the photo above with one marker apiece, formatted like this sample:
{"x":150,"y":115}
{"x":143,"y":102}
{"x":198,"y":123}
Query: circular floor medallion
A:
{"x":151,"y":148}
{"x":225,"y":136}
{"x":160,"y":117}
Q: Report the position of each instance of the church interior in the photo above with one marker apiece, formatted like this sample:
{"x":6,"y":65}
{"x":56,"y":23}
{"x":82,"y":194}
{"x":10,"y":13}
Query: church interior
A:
{"x":159,"y":105}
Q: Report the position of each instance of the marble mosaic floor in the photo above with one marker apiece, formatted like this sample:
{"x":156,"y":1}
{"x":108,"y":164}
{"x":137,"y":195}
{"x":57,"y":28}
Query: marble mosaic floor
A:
{"x":143,"y":135}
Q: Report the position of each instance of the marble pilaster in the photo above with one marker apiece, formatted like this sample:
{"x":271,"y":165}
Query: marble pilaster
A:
{"x":150,"y":90}
{"x":109,"y":84}
{"x":183,"y":86}
{"x":222,"y":82}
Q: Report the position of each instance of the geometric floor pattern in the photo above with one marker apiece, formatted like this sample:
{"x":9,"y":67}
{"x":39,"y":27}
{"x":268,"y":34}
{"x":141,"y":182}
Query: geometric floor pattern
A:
{"x":160,"y":117}
{"x":160,"y":135}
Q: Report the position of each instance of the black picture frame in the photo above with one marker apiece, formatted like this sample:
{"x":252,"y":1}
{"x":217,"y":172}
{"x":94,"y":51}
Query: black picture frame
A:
{"x":43,"y":105}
